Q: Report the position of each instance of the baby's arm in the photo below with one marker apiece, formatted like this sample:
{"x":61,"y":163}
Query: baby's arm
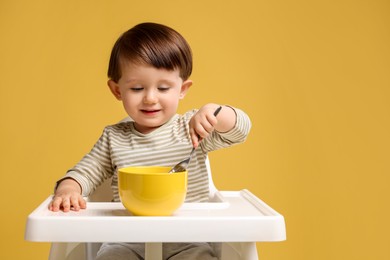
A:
{"x":67,"y":196}
{"x":204,"y":122}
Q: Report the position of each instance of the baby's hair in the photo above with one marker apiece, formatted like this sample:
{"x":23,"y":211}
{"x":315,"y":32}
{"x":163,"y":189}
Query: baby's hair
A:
{"x":151,"y":44}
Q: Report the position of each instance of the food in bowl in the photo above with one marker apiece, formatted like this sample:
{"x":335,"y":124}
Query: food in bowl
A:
{"x":151,"y":190}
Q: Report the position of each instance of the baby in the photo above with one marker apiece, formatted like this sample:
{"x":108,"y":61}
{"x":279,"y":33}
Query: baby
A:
{"x":149,"y":72}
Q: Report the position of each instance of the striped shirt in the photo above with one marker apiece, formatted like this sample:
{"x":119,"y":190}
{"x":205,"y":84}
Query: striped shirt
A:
{"x":121,"y":145}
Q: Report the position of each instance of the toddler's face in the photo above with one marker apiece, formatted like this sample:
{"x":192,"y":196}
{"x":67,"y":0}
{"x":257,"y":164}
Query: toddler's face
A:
{"x":150,"y":96}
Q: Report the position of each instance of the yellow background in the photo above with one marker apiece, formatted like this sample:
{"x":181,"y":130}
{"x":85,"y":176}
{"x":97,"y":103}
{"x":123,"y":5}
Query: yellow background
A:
{"x":314,"y":76}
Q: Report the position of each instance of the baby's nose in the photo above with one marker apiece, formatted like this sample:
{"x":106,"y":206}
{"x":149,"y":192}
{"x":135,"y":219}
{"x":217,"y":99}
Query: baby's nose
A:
{"x":150,"y":97}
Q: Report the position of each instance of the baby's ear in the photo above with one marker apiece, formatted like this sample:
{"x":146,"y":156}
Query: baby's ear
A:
{"x":114,"y":89}
{"x":185,"y":87}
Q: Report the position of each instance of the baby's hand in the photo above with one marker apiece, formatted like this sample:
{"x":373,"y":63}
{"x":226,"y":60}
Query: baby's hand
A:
{"x":68,"y":197}
{"x":203,"y":123}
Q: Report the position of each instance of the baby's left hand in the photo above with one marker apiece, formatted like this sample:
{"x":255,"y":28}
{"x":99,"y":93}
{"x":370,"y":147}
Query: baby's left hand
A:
{"x":202,"y":124}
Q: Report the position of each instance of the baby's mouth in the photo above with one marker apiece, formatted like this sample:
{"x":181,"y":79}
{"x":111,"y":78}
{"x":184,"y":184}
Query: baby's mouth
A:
{"x":149,"y":112}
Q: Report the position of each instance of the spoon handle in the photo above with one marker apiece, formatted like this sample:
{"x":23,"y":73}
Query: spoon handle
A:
{"x":217,"y":110}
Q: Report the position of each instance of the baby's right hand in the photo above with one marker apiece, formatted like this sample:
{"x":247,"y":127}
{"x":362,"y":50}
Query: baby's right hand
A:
{"x":67,"y":197}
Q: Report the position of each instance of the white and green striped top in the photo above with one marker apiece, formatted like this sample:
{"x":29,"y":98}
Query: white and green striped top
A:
{"x":121,"y":145}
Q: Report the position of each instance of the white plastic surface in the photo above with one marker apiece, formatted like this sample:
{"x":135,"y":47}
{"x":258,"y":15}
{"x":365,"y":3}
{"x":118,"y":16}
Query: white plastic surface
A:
{"x":234,"y":216}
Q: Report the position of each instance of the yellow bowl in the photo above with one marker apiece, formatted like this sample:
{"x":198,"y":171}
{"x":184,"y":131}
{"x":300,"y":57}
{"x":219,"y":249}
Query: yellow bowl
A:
{"x":151,"y":191}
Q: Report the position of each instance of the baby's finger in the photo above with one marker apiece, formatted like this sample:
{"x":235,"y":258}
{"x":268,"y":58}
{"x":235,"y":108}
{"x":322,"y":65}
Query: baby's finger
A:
{"x":208,"y":127}
{"x":74,"y":204}
{"x":66,"y":205}
{"x":55,"y":204}
{"x":201,"y":131}
{"x":82,"y":203}
{"x":194,"y":138}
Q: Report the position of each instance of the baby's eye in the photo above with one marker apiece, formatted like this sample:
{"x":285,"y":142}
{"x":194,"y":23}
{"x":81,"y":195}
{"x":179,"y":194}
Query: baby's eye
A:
{"x":136,"y":89}
{"x":163,"y":89}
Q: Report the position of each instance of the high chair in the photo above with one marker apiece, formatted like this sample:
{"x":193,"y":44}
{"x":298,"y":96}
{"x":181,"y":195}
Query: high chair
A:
{"x":77,"y":251}
{"x":237,"y":219}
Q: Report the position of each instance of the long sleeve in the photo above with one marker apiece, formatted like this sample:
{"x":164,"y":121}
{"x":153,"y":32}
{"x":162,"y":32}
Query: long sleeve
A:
{"x":121,"y":146}
{"x":94,"y":167}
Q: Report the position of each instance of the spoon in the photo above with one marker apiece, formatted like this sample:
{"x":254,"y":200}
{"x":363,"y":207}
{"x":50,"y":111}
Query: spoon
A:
{"x":182,"y":166}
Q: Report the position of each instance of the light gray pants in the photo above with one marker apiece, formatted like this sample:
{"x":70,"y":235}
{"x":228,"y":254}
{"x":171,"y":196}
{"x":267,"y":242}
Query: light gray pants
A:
{"x":171,"y":251}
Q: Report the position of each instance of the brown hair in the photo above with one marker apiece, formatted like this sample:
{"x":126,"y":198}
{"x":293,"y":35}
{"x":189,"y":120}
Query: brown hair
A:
{"x":152,"y":44}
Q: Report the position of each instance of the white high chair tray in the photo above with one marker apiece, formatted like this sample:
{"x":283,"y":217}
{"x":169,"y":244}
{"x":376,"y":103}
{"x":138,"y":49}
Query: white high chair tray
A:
{"x":236,"y":216}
